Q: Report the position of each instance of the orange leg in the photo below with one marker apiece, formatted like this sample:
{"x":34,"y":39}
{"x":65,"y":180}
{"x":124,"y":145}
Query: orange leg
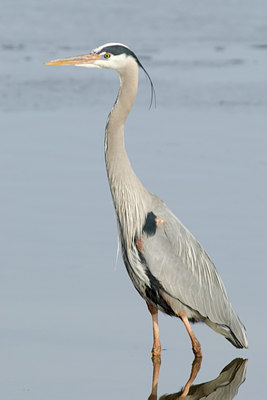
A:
{"x":156,"y":350}
{"x":195,"y":343}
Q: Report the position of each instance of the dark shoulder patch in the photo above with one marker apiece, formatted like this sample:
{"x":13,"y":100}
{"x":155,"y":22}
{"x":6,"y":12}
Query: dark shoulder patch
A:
{"x":150,"y":225}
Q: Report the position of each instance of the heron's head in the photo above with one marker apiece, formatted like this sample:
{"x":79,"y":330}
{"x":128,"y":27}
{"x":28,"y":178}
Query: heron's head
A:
{"x":115,"y":56}
{"x":111,"y":55}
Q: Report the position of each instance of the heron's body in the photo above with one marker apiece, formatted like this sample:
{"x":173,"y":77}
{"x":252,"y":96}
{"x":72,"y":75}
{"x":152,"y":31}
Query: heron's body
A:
{"x":166,"y":264}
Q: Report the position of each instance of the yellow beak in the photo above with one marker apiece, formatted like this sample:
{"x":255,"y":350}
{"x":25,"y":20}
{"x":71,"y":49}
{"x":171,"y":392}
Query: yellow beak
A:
{"x":85,"y":59}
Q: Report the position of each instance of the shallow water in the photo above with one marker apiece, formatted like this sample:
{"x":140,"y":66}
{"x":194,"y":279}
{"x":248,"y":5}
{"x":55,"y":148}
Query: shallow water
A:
{"x":72,"y":325}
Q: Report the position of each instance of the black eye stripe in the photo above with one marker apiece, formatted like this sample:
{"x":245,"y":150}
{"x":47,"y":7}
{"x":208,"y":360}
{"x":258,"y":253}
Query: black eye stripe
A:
{"x":117,"y":50}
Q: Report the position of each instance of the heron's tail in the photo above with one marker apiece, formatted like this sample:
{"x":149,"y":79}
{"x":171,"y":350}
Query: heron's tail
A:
{"x":238,"y":335}
{"x":235,"y":331}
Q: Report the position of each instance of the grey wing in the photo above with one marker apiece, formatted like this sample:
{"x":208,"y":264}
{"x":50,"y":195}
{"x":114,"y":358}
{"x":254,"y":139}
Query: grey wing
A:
{"x":185,"y":271}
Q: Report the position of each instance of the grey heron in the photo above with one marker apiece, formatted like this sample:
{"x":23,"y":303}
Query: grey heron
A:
{"x":167,"y":265}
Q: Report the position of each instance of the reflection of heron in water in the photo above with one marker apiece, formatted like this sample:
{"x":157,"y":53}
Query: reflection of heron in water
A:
{"x":224,"y":387}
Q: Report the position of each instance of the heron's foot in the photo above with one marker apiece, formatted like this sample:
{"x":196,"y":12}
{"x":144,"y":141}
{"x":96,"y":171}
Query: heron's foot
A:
{"x":156,"y":350}
{"x":196,"y":348}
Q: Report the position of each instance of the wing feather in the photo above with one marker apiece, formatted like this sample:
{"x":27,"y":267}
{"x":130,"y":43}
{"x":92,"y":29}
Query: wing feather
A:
{"x":184,"y":269}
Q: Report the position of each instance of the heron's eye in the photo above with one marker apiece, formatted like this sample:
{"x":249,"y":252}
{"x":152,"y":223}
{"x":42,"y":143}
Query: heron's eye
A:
{"x":107,"y":55}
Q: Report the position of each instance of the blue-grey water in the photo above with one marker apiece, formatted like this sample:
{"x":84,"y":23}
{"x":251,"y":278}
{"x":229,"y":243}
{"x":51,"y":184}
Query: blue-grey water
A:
{"x":72,"y":325}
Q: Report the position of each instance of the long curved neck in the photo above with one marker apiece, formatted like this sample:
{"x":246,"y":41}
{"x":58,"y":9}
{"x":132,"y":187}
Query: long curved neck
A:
{"x":128,"y":193}
{"x":114,"y":140}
